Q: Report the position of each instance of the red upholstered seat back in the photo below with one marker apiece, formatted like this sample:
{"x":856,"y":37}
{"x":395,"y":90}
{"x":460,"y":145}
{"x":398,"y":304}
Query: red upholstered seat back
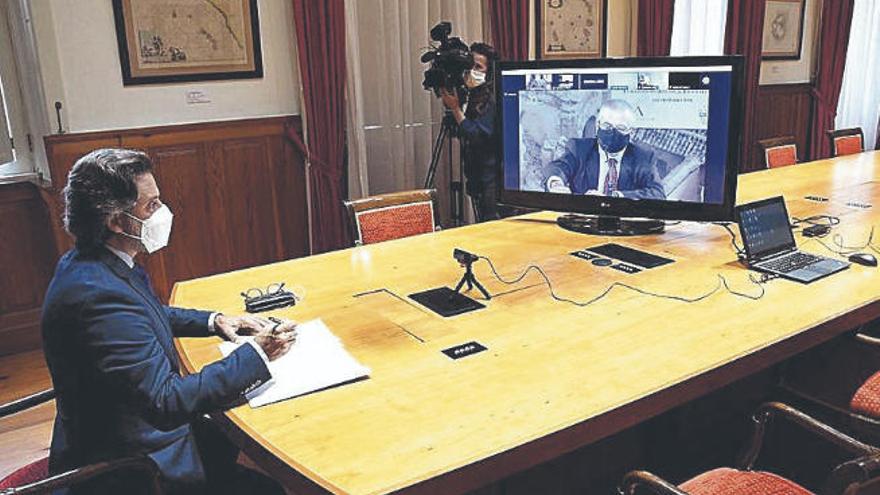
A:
{"x":33,"y":472}
{"x":781,"y":156}
{"x":395,"y":222}
{"x":847,"y":145}
{"x":866,"y":400}
{"x":726,"y":481}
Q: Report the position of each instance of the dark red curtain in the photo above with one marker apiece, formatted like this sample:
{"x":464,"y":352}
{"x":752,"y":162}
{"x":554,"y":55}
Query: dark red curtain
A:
{"x":510,"y":28}
{"x":655,"y":27}
{"x":745,"y":23}
{"x":833,"y":42}
{"x":320,"y":38}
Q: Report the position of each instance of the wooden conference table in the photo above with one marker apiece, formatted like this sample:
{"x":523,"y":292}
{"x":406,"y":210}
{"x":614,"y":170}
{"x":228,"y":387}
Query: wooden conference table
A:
{"x":555,"y":377}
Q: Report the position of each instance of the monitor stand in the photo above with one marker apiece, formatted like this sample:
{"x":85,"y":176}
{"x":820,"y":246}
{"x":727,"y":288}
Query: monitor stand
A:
{"x":606,"y":225}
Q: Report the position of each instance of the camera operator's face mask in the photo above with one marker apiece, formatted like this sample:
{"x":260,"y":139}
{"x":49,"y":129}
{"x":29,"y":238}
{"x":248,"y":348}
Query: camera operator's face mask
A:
{"x":155,"y":230}
{"x":475,"y":79}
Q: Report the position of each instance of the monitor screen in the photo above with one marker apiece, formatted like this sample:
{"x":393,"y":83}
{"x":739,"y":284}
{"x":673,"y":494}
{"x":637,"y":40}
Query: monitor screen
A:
{"x":765,"y":227}
{"x":650,"y":137}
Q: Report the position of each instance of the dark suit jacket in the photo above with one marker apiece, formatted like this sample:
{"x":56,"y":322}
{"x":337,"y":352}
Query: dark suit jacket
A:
{"x":108,"y":344}
{"x":579,"y":168}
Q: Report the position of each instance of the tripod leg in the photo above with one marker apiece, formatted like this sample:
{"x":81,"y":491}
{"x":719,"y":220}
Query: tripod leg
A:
{"x":461,"y":282}
{"x":436,"y":152}
{"x":475,"y":201}
{"x":456,"y":187}
{"x":480,"y":287}
{"x":462,"y":144}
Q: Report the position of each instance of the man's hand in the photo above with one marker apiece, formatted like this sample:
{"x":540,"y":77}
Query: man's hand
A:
{"x":278,"y":340}
{"x":557,"y":185}
{"x":593,"y":192}
{"x":232,"y":328}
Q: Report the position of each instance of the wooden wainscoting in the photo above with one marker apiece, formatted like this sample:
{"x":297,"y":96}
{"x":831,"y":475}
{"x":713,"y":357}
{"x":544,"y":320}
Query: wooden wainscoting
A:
{"x":27,"y":257}
{"x":237,"y":189}
{"x":782,"y":110}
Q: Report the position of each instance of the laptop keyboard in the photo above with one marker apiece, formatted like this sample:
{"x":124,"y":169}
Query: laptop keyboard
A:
{"x":791,"y":262}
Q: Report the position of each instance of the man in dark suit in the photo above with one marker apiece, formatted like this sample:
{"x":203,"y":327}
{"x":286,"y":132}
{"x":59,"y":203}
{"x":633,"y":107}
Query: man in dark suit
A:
{"x":609,"y":164}
{"x":108,"y":344}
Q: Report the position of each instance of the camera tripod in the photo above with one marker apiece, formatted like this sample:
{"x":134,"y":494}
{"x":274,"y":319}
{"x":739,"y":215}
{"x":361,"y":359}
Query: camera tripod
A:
{"x":448,"y":129}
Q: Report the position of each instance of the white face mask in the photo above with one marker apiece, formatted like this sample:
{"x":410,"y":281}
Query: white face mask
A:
{"x":155,"y":230}
{"x":477,"y":78}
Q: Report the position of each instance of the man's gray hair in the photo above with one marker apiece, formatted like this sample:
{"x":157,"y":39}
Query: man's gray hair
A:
{"x":617,"y":105}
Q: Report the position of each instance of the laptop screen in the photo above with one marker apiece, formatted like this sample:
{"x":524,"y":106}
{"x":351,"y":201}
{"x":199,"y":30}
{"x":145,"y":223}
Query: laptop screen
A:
{"x":765,"y":227}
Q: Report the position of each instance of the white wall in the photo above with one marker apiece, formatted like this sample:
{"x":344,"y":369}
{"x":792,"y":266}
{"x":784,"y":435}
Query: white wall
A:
{"x":796,"y":71}
{"x":80,"y":67}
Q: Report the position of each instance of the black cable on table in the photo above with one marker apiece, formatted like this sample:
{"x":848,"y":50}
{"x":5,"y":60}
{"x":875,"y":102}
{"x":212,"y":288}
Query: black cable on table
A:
{"x":844,"y":250}
{"x":740,"y":252}
{"x":829,"y":220}
{"x":722,"y":283}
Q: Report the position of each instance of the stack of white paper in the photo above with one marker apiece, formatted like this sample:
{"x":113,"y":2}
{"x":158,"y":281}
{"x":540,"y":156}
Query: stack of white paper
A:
{"x":317,"y":360}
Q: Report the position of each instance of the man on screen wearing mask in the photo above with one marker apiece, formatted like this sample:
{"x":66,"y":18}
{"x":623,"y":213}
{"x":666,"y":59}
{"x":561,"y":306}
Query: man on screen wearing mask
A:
{"x":477,"y":131}
{"x":108,"y":343}
{"x":609,"y":164}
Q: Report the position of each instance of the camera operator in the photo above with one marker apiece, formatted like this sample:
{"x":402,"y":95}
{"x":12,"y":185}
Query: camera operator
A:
{"x":477,"y":131}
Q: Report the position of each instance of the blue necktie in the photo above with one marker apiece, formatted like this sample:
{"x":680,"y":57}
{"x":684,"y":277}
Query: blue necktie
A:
{"x":144,"y":277}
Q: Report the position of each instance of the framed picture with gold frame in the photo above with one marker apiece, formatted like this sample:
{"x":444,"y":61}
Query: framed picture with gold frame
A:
{"x":783,"y":30}
{"x":571,"y":29}
{"x":170,"y":41}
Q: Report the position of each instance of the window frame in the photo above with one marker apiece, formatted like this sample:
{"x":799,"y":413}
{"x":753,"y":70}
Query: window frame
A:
{"x":28,"y":118}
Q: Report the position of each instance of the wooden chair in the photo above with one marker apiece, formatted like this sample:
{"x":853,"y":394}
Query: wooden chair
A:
{"x":840,"y":380}
{"x":392,"y":216}
{"x":846,"y":141}
{"x":779,"y":151}
{"x":34,"y":477}
{"x":744,"y":480}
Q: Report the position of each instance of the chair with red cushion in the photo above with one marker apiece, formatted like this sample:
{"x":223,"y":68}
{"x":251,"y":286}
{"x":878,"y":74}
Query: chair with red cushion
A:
{"x":779,"y":152}
{"x":392,"y":216}
{"x":847,"y":141}
{"x":745,"y":480}
{"x":34,"y":477}
{"x":866,"y":400}
{"x":840,"y":381}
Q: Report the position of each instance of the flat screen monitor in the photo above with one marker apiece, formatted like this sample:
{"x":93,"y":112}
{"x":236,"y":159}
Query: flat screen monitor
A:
{"x":653,"y":138}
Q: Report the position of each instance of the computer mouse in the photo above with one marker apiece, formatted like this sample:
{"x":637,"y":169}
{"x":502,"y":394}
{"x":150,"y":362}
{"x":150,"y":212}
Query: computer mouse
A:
{"x":865,"y":259}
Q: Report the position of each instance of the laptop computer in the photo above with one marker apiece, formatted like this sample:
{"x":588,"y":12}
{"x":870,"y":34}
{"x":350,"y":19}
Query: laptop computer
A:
{"x":770,"y":247}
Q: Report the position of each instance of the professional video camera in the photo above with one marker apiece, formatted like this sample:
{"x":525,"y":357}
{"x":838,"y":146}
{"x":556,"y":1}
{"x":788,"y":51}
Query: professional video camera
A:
{"x":449,"y":61}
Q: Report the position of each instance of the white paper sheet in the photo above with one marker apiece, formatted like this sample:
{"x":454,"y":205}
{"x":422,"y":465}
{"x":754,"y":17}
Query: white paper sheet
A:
{"x":317,"y":360}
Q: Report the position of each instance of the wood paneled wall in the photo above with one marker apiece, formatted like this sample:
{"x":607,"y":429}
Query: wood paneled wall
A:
{"x":237,"y":189}
{"x":27,"y":257}
{"x":782,"y":110}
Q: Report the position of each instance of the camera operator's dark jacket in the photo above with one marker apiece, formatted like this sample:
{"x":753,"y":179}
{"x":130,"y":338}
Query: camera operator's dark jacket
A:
{"x":481,"y":150}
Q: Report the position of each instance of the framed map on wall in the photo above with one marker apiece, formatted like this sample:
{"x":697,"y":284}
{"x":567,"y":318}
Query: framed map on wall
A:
{"x":783,"y":30}
{"x":168,"y":41}
{"x":570,"y":28}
